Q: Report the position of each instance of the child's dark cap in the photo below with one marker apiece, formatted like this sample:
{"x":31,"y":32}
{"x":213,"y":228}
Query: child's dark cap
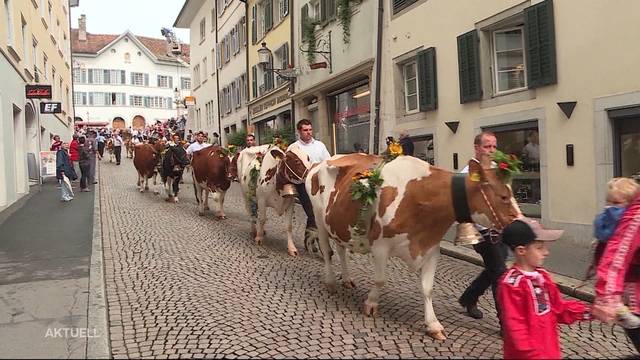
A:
{"x":524,"y":231}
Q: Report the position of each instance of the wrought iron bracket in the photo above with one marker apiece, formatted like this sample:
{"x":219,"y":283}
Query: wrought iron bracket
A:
{"x":324,"y":44}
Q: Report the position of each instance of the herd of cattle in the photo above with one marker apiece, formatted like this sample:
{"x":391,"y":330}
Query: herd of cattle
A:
{"x":413,"y":210}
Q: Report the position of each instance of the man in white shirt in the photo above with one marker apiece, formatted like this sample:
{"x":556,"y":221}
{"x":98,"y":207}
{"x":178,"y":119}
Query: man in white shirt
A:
{"x":117,"y":147}
{"x":493,"y":252}
{"x":198,"y":144}
{"x":317,"y":152}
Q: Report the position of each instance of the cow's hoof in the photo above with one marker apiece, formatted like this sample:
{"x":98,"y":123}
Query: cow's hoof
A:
{"x":437,"y":335}
{"x":206,"y":207}
{"x":349,"y":284}
{"x":370,"y":309}
{"x":258,"y":242}
{"x":221,"y":217}
{"x":293,"y":252}
{"x":141,"y":190}
{"x":201,"y":213}
{"x":156,"y":192}
{"x":146,"y":188}
{"x":175,"y":200}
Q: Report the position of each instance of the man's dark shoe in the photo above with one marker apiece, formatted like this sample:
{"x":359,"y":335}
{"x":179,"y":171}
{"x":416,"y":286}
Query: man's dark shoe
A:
{"x":472,"y":310}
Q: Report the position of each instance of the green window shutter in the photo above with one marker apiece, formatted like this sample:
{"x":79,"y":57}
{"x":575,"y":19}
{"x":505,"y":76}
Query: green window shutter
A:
{"x":268,"y":15}
{"x":122,"y":77}
{"x":254,"y":81}
{"x":469,"y":67}
{"x":427,"y":84}
{"x":254,"y":25}
{"x":399,"y":5}
{"x":146,"y":79}
{"x":540,"y":44}
{"x":304,"y":16}
{"x":323,"y":10}
{"x":170,"y":82}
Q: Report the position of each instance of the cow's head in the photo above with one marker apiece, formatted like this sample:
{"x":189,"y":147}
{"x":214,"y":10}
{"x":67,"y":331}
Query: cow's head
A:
{"x":295,"y":163}
{"x":179,"y":155}
{"x":491,"y":201}
{"x":233,"y":168}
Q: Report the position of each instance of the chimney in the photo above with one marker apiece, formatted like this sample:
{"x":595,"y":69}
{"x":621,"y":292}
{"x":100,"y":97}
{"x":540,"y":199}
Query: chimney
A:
{"x":82,"y":25}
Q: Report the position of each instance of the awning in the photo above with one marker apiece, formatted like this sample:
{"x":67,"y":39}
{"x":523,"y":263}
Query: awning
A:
{"x":91,"y":123}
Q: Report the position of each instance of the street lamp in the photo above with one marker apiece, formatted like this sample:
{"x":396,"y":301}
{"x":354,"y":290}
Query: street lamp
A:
{"x":265,"y":57}
{"x":177,"y":99}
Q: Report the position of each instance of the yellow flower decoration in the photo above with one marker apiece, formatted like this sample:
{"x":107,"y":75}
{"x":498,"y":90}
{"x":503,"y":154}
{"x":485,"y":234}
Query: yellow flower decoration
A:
{"x":395,"y":149}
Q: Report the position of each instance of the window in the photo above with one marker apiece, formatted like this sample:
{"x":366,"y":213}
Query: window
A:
{"x":127,"y":58}
{"x":350,"y":114}
{"x":203,"y":29}
{"x":204,"y":68}
{"x":423,"y":148}
{"x":53,"y":82}
{"x":185,"y":83}
{"x":626,"y":142}
{"x":165,"y":81}
{"x":213,"y":19}
{"x":25,"y":47}
{"x":283,"y":8}
{"x":135,"y":100}
{"x":80,"y":98}
{"x":196,"y":75}
{"x":410,"y":87}
{"x":139,"y":79}
{"x":213,"y":62}
{"x":509,"y":62}
{"x":523,"y":141}
{"x":399,"y":5}
{"x":60,"y":87}
{"x":44,"y":66}
{"x":8,"y":13}
{"x":34,"y":53}
{"x":96,"y":76}
{"x":51,"y":15}
{"x":516,"y":50}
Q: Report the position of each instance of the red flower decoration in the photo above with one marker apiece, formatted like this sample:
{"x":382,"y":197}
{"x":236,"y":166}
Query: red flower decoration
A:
{"x":503,"y":166}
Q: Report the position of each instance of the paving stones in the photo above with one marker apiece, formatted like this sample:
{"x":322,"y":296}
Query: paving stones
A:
{"x":181,"y":285}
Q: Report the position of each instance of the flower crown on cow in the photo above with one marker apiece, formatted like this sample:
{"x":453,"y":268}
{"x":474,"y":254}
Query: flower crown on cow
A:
{"x":507,"y":165}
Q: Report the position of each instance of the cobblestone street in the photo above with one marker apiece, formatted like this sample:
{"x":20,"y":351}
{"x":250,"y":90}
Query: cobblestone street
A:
{"x":181,"y":285}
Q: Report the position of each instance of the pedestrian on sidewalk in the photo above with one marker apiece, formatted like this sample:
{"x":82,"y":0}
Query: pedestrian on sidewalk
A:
{"x":618,"y":275}
{"x":117,"y":147}
{"x":73,"y":153}
{"x":57,"y":144}
{"x":100,"y":139}
{"x":531,"y":306}
{"x":92,"y":147}
{"x":65,"y":173}
{"x":84,"y":165}
{"x":493,"y":252}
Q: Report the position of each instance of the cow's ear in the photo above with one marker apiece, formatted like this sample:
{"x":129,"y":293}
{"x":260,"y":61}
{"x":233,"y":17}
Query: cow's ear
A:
{"x":476,"y":172}
{"x":276,"y":154}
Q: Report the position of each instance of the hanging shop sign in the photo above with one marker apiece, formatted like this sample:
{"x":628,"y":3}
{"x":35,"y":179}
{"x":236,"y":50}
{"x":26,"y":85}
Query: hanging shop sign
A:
{"x":38,"y":91}
{"x":50,"y":108}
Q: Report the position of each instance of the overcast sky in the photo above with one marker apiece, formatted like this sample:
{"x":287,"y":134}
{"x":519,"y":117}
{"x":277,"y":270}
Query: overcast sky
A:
{"x":142,"y":17}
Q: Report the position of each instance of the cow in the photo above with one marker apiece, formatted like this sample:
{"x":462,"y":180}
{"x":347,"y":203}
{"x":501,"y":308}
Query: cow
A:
{"x":413,"y":210}
{"x":147,"y":157}
{"x":173,"y":163}
{"x":240,"y":170}
{"x":210,"y":172}
{"x":129,"y":146}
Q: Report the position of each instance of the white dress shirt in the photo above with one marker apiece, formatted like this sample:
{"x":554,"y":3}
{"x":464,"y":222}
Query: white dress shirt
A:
{"x":196,"y":146}
{"x":315,"y":149}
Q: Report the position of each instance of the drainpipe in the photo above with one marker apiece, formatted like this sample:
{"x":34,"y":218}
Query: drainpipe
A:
{"x":218,"y":83}
{"x":292,"y":82}
{"x":246,"y":51}
{"x":376,"y":120}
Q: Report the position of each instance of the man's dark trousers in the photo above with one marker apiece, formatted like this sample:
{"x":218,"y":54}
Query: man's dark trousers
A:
{"x":494,"y":256}
{"x":117,"y":150}
{"x":306,"y":205}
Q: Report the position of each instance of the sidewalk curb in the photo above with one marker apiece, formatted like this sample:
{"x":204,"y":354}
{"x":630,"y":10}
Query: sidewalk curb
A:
{"x":97,"y":319}
{"x":567,"y":285}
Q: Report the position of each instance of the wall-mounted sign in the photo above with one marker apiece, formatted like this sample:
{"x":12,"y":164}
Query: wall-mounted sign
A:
{"x":50,"y":108}
{"x":38,"y":91}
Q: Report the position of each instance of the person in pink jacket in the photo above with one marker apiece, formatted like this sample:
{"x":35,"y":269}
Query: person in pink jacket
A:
{"x":618,"y":275}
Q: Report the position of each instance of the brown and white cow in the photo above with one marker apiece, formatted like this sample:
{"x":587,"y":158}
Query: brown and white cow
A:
{"x":210,"y":172}
{"x":146,"y":160}
{"x":409,"y":218}
{"x":240,"y":170}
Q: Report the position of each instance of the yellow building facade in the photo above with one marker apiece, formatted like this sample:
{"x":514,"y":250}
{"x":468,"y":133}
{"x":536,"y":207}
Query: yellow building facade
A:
{"x":269,"y":28}
{"x":35,"y":48}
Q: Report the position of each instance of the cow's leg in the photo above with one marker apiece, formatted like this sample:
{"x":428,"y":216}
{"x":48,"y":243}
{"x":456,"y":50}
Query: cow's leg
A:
{"x":140,"y":182}
{"x":168,"y":188}
{"x":262,"y":218}
{"x":221,"y":215}
{"x":380,"y":257}
{"x":200,"y":192}
{"x":291,"y":246}
{"x":344,"y":261}
{"x":329,"y":275}
{"x":146,"y":182}
{"x":155,"y":183}
{"x":428,"y":272}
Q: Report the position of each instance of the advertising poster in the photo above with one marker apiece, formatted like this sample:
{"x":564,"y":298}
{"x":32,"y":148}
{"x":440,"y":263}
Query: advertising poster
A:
{"x":47,"y":163}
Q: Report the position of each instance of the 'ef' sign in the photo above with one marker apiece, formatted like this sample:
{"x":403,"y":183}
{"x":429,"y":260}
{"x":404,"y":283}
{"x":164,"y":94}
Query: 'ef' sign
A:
{"x":50,"y":108}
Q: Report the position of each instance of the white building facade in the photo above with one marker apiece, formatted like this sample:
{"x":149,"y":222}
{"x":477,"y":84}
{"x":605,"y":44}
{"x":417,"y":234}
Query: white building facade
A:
{"x":127,"y":80}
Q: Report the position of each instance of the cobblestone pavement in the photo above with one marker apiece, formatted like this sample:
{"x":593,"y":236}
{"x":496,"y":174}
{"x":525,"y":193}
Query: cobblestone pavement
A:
{"x":181,"y":285}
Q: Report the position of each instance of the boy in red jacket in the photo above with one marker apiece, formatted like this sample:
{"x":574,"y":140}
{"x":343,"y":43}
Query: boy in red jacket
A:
{"x":530,"y":304}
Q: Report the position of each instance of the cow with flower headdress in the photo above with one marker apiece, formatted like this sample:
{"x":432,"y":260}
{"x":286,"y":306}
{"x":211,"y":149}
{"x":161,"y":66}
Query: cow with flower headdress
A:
{"x":401,"y":206}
